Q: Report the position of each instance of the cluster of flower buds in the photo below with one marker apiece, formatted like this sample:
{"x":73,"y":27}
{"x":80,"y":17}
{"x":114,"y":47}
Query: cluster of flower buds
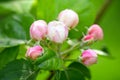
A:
{"x":55,"y":31}
{"x":94,"y":33}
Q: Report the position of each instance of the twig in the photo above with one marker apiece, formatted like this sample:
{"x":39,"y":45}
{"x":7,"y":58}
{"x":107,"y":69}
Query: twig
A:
{"x":102,"y":10}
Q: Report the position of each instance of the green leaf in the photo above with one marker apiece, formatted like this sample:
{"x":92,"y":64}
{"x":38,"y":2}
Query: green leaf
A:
{"x":14,"y":30}
{"x":80,"y":67}
{"x":99,"y":52}
{"x":25,"y":20}
{"x":69,"y":74}
{"x":10,"y":42}
{"x":8,"y":55}
{"x":16,"y":26}
{"x":18,"y":70}
{"x":105,"y":49}
{"x":22,"y":51}
{"x":43,"y":75}
{"x":54,"y":63}
{"x":75,"y":71}
{"x":49,"y":60}
{"x":18,"y":6}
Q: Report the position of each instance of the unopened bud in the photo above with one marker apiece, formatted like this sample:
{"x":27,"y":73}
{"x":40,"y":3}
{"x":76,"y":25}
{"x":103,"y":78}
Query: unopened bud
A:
{"x":88,"y":38}
{"x":34,"y":52}
{"x":57,"y":31}
{"x":96,"y":31}
{"x":89,"y":57}
{"x":69,"y":17}
{"x":38,"y":30}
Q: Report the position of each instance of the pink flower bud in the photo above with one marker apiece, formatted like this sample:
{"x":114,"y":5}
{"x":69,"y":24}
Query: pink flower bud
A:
{"x":89,"y":57}
{"x":88,"y":38}
{"x":57,"y":31}
{"x":69,"y":17}
{"x":38,"y":30}
{"x":96,"y":31}
{"x":34,"y":52}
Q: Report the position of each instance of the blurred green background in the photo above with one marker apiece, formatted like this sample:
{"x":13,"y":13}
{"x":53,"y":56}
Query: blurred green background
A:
{"x":24,"y":12}
{"x":109,"y":69}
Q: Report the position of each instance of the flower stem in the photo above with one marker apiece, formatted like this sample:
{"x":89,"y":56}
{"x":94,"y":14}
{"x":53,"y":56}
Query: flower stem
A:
{"x":77,"y":45}
{"x":58,"y":50}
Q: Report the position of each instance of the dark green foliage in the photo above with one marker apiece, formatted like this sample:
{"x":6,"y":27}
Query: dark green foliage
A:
{"x":8,"y":55}
{"x":18,"y":70}
{"x":75,"y":71}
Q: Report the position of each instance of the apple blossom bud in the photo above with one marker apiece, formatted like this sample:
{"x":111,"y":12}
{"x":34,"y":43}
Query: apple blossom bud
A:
{"x":34,"y":52}
{"x":38,"y":30}
{"x":89,"y":57}
{"x":96,"y":31}
{"x":57,"y":31}
{"x":69,"y":17}
{"x":88,"y":38}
